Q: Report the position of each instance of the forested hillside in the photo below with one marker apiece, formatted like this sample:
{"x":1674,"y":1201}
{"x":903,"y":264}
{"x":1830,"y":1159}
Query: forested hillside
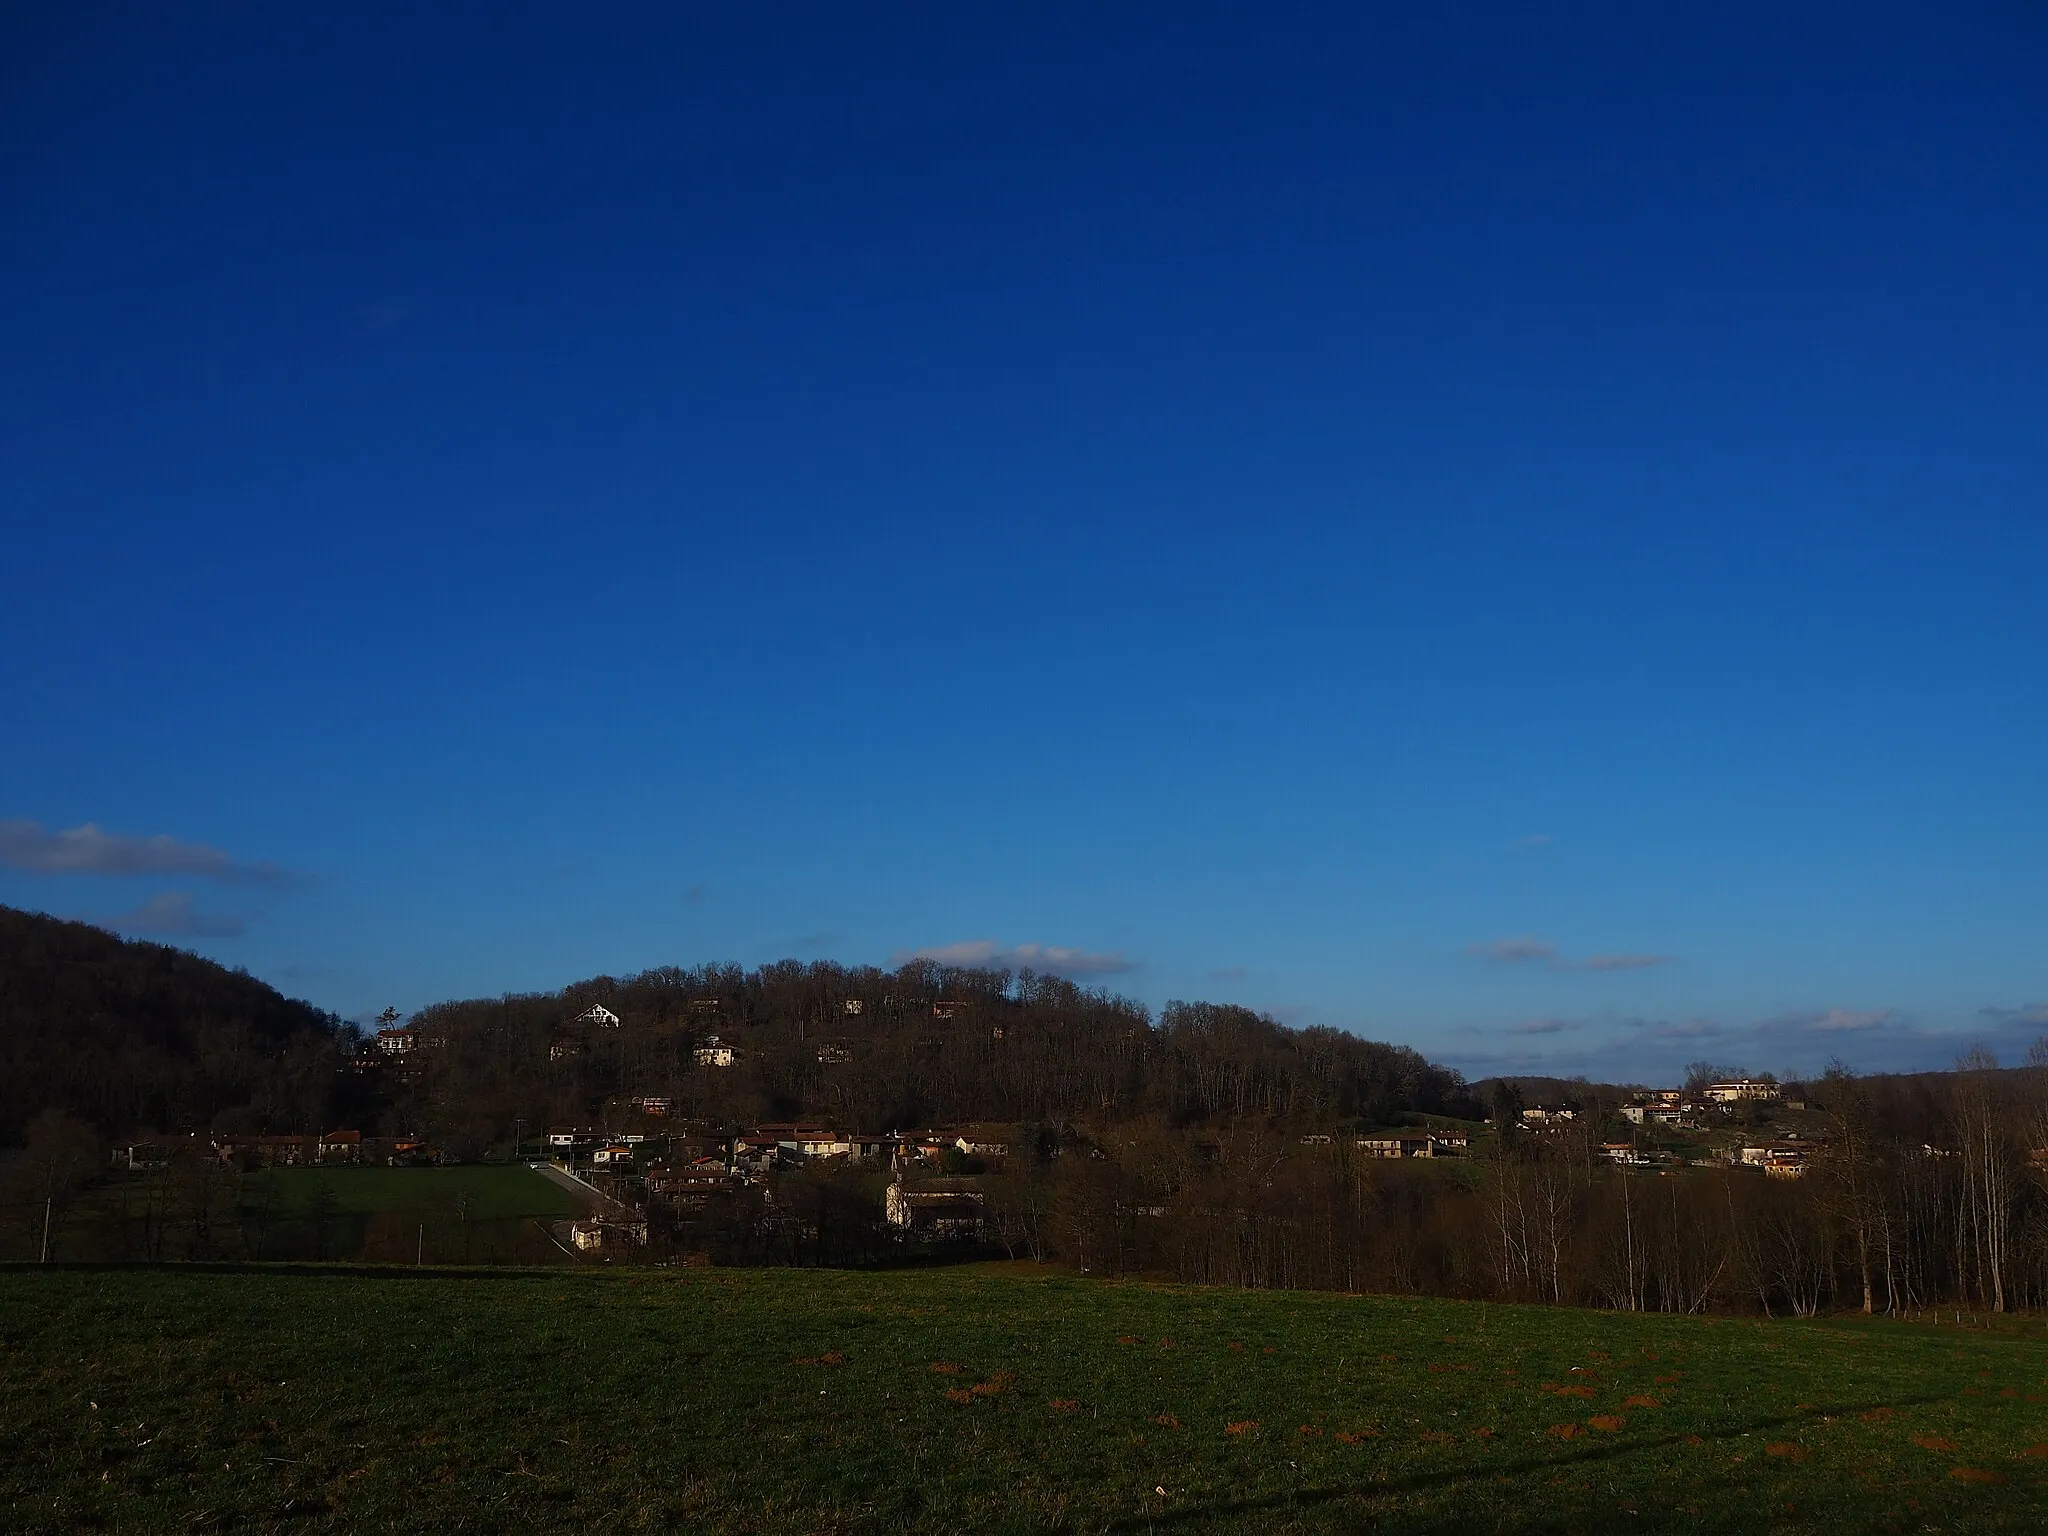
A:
{"x":874,"y":1050}
{"x":1209,"y":1143}
{"x":135,"y":1037}
{"x":127,"y":1035}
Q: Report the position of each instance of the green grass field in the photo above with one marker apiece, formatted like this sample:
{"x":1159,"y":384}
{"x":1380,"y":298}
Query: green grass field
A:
{"x":463,"y":1215}
{"x":494,"y":1193}
{"x":784,"y":1401}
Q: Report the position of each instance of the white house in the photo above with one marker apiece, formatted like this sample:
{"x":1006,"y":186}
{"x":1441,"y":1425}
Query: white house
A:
{"x":822,"y":1144}
{"x":1652,"y":1114}
{"x":1395,"y":1144}
{"x":1398,"y":1144}
{"x":714,"y":1052}
{"x":1621,"y":1152}
{"x":939,"y":1207}
{"x":1741,"y":1090}
{"x":983,"y":1141}
{"x":599,"y":1015}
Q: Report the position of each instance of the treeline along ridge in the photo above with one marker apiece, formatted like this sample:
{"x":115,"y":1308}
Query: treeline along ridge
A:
{"x":1209,"y":1144}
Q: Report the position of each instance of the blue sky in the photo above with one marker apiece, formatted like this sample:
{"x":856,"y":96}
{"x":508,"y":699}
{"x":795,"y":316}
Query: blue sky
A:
{"x":1514,"y":529}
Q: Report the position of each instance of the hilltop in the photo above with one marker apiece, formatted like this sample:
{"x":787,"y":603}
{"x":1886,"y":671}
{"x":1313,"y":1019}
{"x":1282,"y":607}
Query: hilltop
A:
{"x":126,"y":1035}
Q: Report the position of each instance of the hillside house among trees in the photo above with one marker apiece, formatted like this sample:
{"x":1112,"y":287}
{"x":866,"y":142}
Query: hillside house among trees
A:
{"x":1779,"y":1159}
{"x":945,"y":1208}
{"x":1653,"y":1114}
{"x":1742,"y":1090}
{"x":1399,"y":1144}
{"x":608,"y":1233}
{"x":984,"y":1141}
{"x":921,"y":1146}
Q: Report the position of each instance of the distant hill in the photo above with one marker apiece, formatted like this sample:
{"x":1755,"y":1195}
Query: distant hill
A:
{"x":135,"y":1036}
{"x":869,"y":1049}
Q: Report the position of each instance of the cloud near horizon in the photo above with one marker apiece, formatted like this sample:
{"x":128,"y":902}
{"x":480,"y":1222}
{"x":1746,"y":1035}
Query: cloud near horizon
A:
{"x":173,"y":914}
{"x":1793,"y":1044}
{"x":1052,"y":959}
{"x":87,"y":850}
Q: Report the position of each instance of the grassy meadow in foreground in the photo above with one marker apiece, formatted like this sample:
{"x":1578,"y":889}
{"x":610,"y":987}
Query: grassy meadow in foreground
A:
{"x":785,"y":1401}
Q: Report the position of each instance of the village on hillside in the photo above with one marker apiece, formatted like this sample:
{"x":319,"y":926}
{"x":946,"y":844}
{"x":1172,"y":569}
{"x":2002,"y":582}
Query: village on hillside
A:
{"x":652,"y":1175}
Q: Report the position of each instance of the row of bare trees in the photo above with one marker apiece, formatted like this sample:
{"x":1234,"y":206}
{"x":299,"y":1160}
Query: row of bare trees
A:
{"x":1927,"y":1192}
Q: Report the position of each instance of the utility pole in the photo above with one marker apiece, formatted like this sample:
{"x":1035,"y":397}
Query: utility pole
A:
{"x":48,"y":1201}
{"x":419,"y":1254}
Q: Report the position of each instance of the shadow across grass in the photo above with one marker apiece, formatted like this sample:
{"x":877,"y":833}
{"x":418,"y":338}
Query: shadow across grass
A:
{"x":290,"y":1267}
{"x":1422,"y":1482}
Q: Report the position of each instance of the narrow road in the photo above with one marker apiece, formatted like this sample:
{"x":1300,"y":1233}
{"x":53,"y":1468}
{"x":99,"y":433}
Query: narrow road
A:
{"x":596,"y":1201}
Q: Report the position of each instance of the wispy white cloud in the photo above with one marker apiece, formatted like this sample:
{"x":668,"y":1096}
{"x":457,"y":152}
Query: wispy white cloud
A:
{"x":174,"y":914}
{"x":1544,"y":1027}
{"x":1851,"y":1018}
{"x":1526,"y":949}
{"x":1535,"y":840}
{"x":1515,"y":951}
{"x":1688,"y":1029}
{"x":1052,"y":959}
{"x":1228,"y":973}
{"x":1831,"y":1020}
{"x":968,"y":952}
{"x":87,"y":850}
{"x":2026,"y":1016}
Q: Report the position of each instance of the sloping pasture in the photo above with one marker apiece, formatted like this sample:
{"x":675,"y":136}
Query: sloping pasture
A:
{"x":783,"y":1401}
